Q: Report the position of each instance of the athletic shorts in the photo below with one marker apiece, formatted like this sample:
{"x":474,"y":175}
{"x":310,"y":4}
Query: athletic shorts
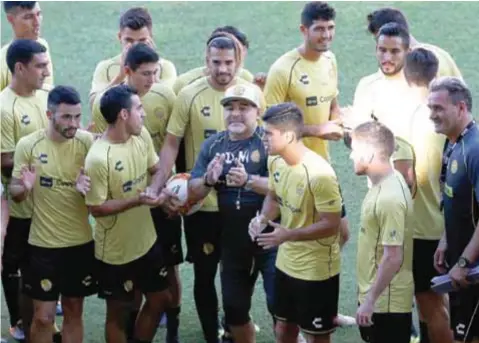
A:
{"x":67,"y":271}
{"x":312,"y":305}
{"x":15,"y":247}
{"x":388,"y":328}
{"x":423,"y":264}
{"x":464,"y":313}
{"x":203,"y":236}
{"x":147,"y":274}
{"x":168,"y":231}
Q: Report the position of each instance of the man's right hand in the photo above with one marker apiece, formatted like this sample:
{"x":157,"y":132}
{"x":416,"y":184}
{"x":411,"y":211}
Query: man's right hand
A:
{"x":331,"y":130}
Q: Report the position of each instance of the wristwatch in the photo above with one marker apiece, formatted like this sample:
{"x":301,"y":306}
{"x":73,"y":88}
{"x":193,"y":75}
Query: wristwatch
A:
{"x":463,"y":262}
{"x":247,"y":185}
{"x":205,"y":182}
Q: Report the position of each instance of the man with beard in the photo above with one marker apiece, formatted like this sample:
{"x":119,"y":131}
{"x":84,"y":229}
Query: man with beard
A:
{"x":26,"y":19}
{"x":61,"y":261}
{"x":197,"y":115}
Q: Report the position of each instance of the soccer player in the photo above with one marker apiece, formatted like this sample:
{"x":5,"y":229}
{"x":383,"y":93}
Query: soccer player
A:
{"x":234,"y":163}
{"x":385,"y":243}
{"x":420,"y":69}
{"x":304,"y":190}
{"x":141,"y":64}
{"x":61,"y":261}
{"x":24,"y":107}
{"x":382,"y":16}
{"x":118,"y":165}
{"x":198,"y":114}
{"x":450,"y":101}
{"x":26,"y":18}
{"x":199,"y":72}
{"x":136,"y":26}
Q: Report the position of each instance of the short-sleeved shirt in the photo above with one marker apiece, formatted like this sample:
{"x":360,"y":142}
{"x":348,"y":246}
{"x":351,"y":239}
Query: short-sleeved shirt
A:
{"x":311,"y":85}
{"x":197,"y":73}
{"x":6,"y":75}
{"x":60,"y":216}
{"x":21,"y":116}
{"x":386,"y":216}
{"x":107,"y":70}
{"x":251,"y":153}
{"x":303,"y":191}
{"x":447,"y":66}
{"x":157,"y":103}
{"x":120,"y":171}
{"x":197,"y":115}
{"x":461,"y":194}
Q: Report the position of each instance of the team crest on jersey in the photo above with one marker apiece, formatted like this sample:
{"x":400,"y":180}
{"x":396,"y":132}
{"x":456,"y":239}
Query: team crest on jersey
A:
{"x":276,"y":176}
{"x":159,"y":114}
{"x":25,"y":120}
{"x":46,"y":285}
{"x":206,"y":111}
{"x":300,"y":189}
{"x":304,"y":79}
{"x":128,"y":285}
{"x":43,"y":158}
{"x":255,"y":156}
{"x":208,"y":248}
{"x":454,"y":167}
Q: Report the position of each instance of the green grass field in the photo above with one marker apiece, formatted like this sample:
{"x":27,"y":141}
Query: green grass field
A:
{"x":81,"y":34}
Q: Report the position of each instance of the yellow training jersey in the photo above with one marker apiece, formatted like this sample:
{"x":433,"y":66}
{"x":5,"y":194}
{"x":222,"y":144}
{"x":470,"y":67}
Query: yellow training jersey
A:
{"x":303,"y":191}
{"x":157,"y":103}
{"x":386,"y":216}
{"x":311,"y":85}
{"x":60,"y":216}
{"x":20,"y":117}
{"x":447,"y":66}
{"x":107,"y":70}
{"x":120,"y":171}
{"x":197,"y":73}
{"x":6,"y":75}
{"x":198,"y":114}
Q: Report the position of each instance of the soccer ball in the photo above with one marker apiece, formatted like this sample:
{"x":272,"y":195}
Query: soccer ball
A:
{"x":178,"y":184}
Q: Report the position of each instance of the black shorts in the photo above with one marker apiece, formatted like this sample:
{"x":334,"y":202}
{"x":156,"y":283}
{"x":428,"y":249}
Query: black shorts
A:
{"x":168,"y":231}
{"x":312,"y":305}
{"x":147,"y":274}
{"x":464,"y":308}
{"x":423,"y":264}
{"x":203,"y":236}
{"x":67,"y":271}
{"x":15,"y":247}
{"x":388,"y":328}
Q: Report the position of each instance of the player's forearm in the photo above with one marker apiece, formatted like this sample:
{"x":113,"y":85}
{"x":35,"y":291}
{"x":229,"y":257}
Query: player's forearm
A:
{"x":198,"y":189}
{"x":335,"y":110}
{"x":114,"y":206}
{"x":311,"y":130}
{"x":321,"y":229}
{"x":388,"y":267}
{"x":5,"y":217}
{"x":18,"y":191}
{"x":7,"y":164}
{"x":259,"y":184}
{"x":168,"y":155}
{"x":471,"y":252}
{"x":270,"y":209}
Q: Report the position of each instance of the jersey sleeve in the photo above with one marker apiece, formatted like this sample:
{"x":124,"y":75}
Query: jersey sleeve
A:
{"x":326,"y":194}
{"x":271,"y":173}
{"x":180,"y":116}
{"x":391,"y":214}
{"x":4,"y":75}
{"x":362,"y":103}
{"x":202,"y":161}
{"x":21,"y":157}
{"x":276,"y":87}
{"x":403,"y":151}
{"x":8,"y":132}
{"x":168,"y":73}
{"x":100,"y":78}
{"x":246,"y":75}
{"x":447,"y":66}
{"x":150,"y":148}
{"x":99,"y":123}
{"x":97,"y":170}
{"x":473,"y":169}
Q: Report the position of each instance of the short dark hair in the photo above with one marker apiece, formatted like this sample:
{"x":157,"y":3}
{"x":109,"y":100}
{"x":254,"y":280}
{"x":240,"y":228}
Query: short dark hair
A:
{"x":455,"y":87}
{"x":395,"y":30}
{"x":240,"y":36}
{"x":8,"y":6}
{"x":286,"y":116}
{"x":317,"y":10}
{"x":378,"y":136}
{"x":135,"y":19}
{"x":139,"y":54}
{"x":222,"y":42}
{"x":114,"y":100}
{"x":62,"y":95}
{"x":382,"y":16}
{"x":421,"y":67}
{"x":23,"y":51}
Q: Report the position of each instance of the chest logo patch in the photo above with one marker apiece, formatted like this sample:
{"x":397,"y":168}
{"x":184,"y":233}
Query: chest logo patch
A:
{"x":255,"y":156}
{"x":454,"y":167}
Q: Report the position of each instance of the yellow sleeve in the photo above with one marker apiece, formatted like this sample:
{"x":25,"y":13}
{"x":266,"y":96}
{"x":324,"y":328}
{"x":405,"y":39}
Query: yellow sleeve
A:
{"x":168,"y":73}
{"x":403,"y":151}
{"x":180,"y":116}
{"x":21,"y":157}
{"x":362,"y":104}
{"x":178,"y":85}
{"x":99,"y":123}
{"x":447,"y":66}
{"x":97,"y":170}
{"x":150,"y":148}
{"x":4,"y":76}
{"x":100,"y":78}
{"x":276,"y":88}
{"x":246,"y":75}
{"x":326,"y":194}
{"x":8,"y":132}
{"x":391,"y":214}
{"x":271,"y":173}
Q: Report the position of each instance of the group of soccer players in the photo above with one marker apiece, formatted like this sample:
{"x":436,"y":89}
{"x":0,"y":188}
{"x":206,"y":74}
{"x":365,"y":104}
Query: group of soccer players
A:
{"x":256,"y":150}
